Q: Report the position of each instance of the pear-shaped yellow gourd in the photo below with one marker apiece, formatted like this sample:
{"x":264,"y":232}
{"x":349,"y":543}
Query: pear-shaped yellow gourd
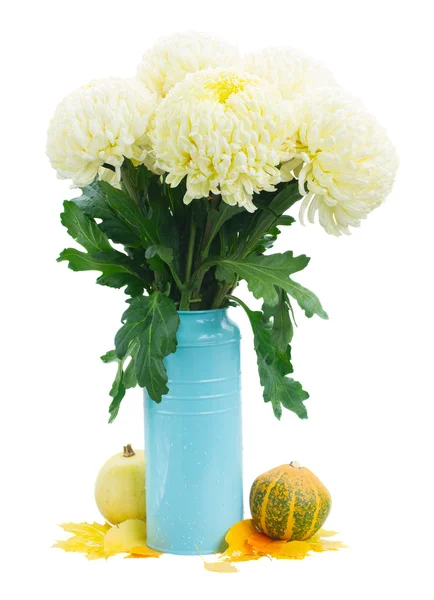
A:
{"x":120,"y":487}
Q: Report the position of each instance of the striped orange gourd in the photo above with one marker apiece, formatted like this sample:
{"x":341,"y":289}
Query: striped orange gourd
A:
{"x":289,"y":502}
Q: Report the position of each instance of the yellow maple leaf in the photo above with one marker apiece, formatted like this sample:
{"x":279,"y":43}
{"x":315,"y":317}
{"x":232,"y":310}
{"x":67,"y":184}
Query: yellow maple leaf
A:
{"x":237,"y":539}
{"x":143,"y":551}
{"x":88,"y":539}
{"x":222,"y":566}
{"x":219,"y":566}
{"x":102,"y":541}
{"x":124,"y":537}
{"x":245,"y":543}
{"x":263,"y":544}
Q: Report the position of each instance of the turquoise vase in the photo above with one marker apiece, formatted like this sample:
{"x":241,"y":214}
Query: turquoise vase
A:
{"x":193,"y":439}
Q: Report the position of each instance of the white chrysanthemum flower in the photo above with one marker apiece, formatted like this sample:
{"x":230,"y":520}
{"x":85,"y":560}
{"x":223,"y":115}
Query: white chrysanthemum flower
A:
{"x":224,"y":130}
{"x":349,"y":162}
{"x":102,"y":122}
{"x":173,"y":57}
{"x":289,"y":70}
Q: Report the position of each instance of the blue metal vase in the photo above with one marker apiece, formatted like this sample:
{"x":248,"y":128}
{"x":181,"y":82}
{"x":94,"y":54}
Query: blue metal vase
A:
{"x":193,"y":440}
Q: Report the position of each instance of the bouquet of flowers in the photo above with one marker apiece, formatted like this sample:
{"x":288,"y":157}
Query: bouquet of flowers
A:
{"x":186,"y":174}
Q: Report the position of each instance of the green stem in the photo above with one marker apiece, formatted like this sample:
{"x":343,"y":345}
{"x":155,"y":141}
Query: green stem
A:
{"x":223,"y":242}
{"x":207,"y":237}
{"x":199,"y":281}
{"x":190,"y":250}
{"x":187,"y":289}
{"x":224,"y":289}
{"x":176,"y":278}
{"x":238,"y":301}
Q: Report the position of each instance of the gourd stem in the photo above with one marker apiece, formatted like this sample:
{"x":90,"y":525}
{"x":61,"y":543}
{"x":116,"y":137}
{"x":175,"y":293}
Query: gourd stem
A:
{"x":128,"y":451}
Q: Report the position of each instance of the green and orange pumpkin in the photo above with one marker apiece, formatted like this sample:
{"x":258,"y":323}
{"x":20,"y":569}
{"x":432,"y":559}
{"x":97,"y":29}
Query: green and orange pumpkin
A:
{"x":289,"y":502}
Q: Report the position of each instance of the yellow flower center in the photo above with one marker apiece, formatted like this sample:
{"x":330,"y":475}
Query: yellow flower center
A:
{"x":226,"y":85}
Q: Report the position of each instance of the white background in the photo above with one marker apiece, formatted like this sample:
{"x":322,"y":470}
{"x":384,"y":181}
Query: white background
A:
{"x":368,"y":369}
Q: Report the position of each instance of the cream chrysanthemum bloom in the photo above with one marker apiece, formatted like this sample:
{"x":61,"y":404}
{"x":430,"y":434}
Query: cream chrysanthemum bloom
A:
{"x":102,"y":122}
{"x":343,"y":159}
{"x":173,"y":57}
{"x":223,"y":129}
{"x":289,"y":70}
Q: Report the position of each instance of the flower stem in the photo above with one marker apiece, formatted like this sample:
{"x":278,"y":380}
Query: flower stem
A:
{"x":187,"y":291}
{"x":207,"y":239}
{"x":190,"y":250}
{"x":224,"y":290}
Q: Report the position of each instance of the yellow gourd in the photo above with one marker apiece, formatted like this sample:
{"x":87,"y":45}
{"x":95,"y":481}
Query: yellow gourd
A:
{"x":120,"y":487}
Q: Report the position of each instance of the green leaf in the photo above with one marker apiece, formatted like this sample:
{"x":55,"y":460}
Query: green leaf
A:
{"x":135,"y":182}
{"x":264,"y":218}
{"x":117,"y":392}
{"x":282,"y":328}
{"x":153,"y":322}
{"x":109,"y":357}
{"x":124,"y":220}
{"x":117,"y":269}
{"x":176,"y":200}
{"x":123,"y":379}
{"x":130,"y":377}
{"x":130,"y":214}
{"x":166,"y":254}
{"x":262,"y":273}
{"x":267,"y":240}
{"x":274,"y":366}
{"x":306,"y":299}
{"x":285,"y":220}
{"x":93,"y":202}
{"x":219,"y":216}
{"x":133,"y":285}
{"x":84,"y":230}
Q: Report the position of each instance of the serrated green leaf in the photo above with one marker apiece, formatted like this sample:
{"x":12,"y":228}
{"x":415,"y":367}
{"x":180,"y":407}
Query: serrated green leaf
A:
{"x":117,"y":392}
{"x":123,"y":379}
{"x":93,"y":202}
{"x":133,"y":285}
{"x":306,"y":299}
{"x":135,"y":182}
{"x":263,"y":273}
{"x":267,"y":240}
{"x":275,"y":206}
{"x":274,"y":366}
{"x":117,"y":269}
{"x":219,"y":216}
{"x":130,"y":214}
{"x":153,"y":321}
{"x":282,"y":328}
{"x":165,"y":253}
{"x":285,"y":220}
{"x":115,"y":404}
{"x":109,"y":357}
{"x":225,"y":272}
{"x":84,"y":230}
{"x":130,"y":377}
